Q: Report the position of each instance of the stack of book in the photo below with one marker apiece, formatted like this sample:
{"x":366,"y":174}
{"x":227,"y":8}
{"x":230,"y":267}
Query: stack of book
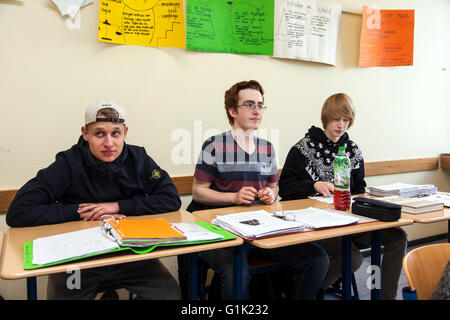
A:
{"x":402,"y":189}
{"x":442,"y":197}
{"x":414,"y":205}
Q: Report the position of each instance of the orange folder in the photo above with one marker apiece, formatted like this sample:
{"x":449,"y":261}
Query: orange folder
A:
{"x":146,"y":230}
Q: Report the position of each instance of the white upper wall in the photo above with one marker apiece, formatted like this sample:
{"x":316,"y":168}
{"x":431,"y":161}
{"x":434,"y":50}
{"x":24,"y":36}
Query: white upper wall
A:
{"x":49,"y":74}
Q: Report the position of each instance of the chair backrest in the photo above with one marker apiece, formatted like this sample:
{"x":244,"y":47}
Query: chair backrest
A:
{"x":2,"y":239}
{"x":424,"y":266}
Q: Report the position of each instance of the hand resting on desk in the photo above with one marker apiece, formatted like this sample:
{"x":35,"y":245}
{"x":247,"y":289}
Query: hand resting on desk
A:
{"x":324,"y":188}
{"x":99,"y":211}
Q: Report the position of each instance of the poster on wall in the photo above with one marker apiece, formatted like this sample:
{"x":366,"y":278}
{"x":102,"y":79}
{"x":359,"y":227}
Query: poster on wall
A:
{"x":155,"y":23}
{"x":236,"y":26}
{"x":71,"y":7}
{"x":387,"y":38}
{"x":306,"y":30}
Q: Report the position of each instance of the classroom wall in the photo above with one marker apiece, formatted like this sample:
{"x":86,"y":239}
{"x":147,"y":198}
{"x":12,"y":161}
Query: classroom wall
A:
{"x":49,"y":73}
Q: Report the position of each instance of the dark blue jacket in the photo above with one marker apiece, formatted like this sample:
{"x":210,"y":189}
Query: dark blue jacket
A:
{"x":134,"y":180}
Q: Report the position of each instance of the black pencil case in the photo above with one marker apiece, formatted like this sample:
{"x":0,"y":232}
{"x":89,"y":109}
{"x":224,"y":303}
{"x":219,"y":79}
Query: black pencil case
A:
{"x":377,"y":209}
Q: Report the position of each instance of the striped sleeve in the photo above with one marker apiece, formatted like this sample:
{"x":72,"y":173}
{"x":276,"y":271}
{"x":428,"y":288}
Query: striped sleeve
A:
{"x":206,"y":167}
{"x":273,"y":178}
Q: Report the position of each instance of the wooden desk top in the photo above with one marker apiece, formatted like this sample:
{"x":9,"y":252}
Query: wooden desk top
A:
{"x":302,"y":237}
{"x":12,"y":260}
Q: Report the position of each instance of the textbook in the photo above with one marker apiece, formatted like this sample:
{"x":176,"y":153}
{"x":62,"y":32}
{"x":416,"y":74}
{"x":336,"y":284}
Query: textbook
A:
{"x":442,"y":197}
{"x":70,"y":246}
{"x":414,"y":205}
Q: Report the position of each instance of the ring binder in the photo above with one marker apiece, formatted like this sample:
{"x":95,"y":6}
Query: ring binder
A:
{"x":82,"y":241}
{"x":106,"y":231}
{"x":140,"y":233}
{"x":287,"y":216}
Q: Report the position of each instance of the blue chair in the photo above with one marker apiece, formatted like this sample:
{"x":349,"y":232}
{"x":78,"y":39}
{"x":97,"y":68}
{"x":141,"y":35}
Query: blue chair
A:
{"x":409,"y":293}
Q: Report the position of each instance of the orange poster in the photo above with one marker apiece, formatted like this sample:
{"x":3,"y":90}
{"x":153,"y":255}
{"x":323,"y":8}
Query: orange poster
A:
{"x":387,"y":38}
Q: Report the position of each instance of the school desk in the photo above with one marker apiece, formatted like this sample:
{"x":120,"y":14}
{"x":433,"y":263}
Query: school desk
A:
{"x":302,"y":237}
{"x":12,"y":260}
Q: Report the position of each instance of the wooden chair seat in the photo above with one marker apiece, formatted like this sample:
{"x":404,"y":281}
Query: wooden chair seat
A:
{"x":424,"y":266}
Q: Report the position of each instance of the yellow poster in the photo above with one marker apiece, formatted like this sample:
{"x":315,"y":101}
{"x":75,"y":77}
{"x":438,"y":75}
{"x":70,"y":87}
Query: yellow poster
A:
{"x":155,"y":23}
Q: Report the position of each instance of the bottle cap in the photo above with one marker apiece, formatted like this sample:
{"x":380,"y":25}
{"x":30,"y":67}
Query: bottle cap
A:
{"x":341,"y":148}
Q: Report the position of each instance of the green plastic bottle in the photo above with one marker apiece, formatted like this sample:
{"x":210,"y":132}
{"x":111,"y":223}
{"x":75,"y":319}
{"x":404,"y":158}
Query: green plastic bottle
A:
{"x":342,"y":169}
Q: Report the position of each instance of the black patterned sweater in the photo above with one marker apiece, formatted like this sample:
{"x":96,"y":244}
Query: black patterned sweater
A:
{"x":311,"y":160}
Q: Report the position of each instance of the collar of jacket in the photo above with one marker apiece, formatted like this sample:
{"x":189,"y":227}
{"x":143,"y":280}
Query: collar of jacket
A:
{"x":319,"y":135}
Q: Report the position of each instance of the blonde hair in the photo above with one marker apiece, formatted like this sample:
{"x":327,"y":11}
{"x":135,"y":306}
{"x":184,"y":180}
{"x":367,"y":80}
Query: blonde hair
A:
{"x":338,"y":104}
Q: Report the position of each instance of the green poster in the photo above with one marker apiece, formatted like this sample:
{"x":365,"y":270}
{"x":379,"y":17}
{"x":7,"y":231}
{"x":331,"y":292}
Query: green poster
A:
{"x":236,"y":26}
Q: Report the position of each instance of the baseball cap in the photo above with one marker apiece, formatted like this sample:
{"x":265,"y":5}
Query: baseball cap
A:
{"x":92,"y":110}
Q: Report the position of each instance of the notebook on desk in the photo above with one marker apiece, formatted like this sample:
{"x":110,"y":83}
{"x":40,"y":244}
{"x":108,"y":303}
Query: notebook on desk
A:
{"x":71,"y":246}
{"x":256,"y":224}
{"x":314,"y":218}
{"x":261,"y":224}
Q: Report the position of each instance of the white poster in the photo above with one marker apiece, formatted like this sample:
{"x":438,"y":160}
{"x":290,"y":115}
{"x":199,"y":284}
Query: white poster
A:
{"x":306,"y":30}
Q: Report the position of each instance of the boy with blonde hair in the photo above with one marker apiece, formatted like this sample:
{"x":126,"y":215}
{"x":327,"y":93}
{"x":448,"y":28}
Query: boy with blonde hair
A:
{"x":309,"y":170}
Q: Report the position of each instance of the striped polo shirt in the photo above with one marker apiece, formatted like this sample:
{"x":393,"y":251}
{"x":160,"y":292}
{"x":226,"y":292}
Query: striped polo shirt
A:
{"x":229,"y":168}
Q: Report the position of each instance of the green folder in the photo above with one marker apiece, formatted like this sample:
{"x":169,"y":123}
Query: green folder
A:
{"x":28,"y":247}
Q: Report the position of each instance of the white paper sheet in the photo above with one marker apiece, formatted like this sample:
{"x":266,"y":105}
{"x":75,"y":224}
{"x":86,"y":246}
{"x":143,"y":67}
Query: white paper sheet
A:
{"x":402,"y":189}
{"x":194,"y":232}
{"x":70,"y":7}
{"x":441,"y":197}
{"x":329,"y":200}
{"x":318,"y":218}
{"x":70,"y":245}
{"x":306,"y":30}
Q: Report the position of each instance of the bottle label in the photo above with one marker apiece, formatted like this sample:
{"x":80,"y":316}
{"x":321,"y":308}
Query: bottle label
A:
{"x":342,"y":179}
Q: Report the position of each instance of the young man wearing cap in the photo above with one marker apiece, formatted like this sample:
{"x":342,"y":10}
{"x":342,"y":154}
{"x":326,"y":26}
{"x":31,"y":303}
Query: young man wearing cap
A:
{"x":238,"y":168}
{"x":101,"y":176}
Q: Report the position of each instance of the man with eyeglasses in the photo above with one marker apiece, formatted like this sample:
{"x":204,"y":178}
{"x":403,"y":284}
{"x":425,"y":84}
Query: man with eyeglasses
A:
{"x":238,"y":168}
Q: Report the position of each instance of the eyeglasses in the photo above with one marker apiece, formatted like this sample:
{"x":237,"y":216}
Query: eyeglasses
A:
{"x":251,"y":106}
{"x":288,"y":216}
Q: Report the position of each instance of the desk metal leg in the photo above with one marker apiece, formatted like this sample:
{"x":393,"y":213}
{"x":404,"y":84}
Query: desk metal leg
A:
{"x":375,"y":260}
{"x":237,"y":272}
{"x":193,"y":276}
{"x":346,"y":267}
{"x":31,"y":288}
